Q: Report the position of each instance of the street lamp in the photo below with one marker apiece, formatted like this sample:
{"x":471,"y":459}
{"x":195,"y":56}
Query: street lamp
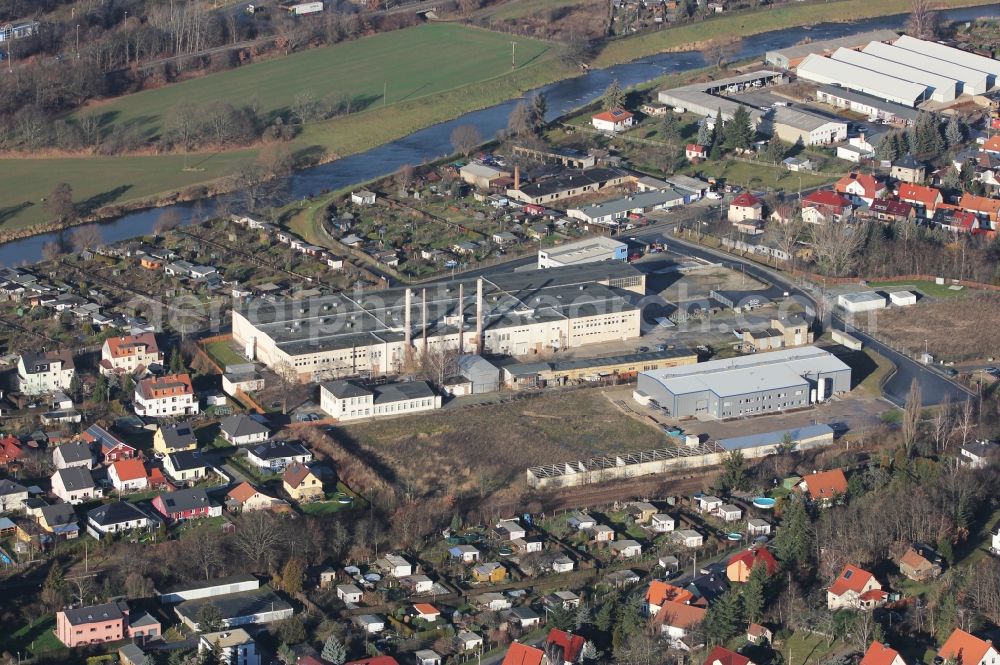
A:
{"x":77,"y":41}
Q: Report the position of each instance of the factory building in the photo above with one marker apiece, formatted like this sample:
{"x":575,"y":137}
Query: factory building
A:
{"x":949,"y":54}
{"x":795,"y":125}
{"x":379,"y":332}
{"x":745,"y":386}
{"x":822,"y":70}
{"x":589,"y":250}
{"x":942,"y":88}
{"x":789,"y":58}
{"x":876,"y":109}
{"x":705,"y":98}
{"x":972,"y":81}
{"x":609,"y":213}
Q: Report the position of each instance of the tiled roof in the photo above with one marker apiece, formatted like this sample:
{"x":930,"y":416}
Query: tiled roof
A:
{"x":851,"y":578}
{"x":723,"y":656}
{"x":879,"y":654}
{"x":522,"y":654}
{"x":964,"y":648}
{"x":826,"y":484}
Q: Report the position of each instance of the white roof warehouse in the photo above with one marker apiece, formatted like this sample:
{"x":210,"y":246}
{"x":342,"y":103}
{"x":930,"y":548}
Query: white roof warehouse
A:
{"x":818,"y":69}
{"x":609,"y":212}
{"x":748,"y":385}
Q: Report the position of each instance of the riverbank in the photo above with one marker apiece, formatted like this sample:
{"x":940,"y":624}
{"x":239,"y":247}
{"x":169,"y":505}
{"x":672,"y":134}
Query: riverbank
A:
{"x":702,"y":34}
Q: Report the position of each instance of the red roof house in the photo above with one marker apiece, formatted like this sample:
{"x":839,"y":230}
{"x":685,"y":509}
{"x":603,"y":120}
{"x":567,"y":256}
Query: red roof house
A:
{"x":824,"y":206}
{"x":888,"y":210}
{"x":695,"y":151}
{"x":860,"y":187}
{"x":966,"y":649}
{"x":10,"y":449}
{"x":112,"y":448}
{"x":924,"y":198}
{"x":615,"y":120}
{"x":880,"y":654}
{"x":825,"y":486}
{"x":522,"y":654}
{"x":740,"y":564}
{"x":723,"y":656}
{"x":855,"y":588}
{"x":570,"y":646}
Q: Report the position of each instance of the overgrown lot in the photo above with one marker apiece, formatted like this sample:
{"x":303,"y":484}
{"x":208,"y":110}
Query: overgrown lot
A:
{"x":953,"y":328}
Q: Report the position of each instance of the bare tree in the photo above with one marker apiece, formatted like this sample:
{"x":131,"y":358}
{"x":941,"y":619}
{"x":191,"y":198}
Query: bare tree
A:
{"x":288,"y":378}
{"x":60,"y":205}
{"x":167,"y":221}
{"x":924,"y":21}
{"x":785,"y":237}
{"x":439,"y":363}
{"x":304,"y":106}
{"x":941,"y":425}
{"x":204,"y":554}
{"x":52,"y":250}
{"x":837,"y":246}
{"x":911,"y":415}
{"x":465,"y":139}
{"x":404,"y":176}
{"x":262,"y":180}
{"x":721,"y":51}
{"x":258,"y":536}
{"x":86,"y":237}
{"x":967,"y":420}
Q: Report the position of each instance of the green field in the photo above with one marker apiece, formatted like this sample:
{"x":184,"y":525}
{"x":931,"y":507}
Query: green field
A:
{"x":432,"y":72}
{"x":747,"y":23}
{"x":757,"y":175}
{"x":224,"y":353}
{"x":405,"y":64}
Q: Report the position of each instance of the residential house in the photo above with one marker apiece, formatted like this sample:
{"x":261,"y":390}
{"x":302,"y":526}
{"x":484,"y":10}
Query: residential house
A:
{"x":855,"y":588}
{"x":746,"y":207}
{"x":564,"y":648}
{"x":112,"y":448}
{"x":920,"y":563}
{"x":880,"y":654}
{"x":723,"y":656}
{"x":10,"y":450}
{"x":174,"y":438}
{"x":489,"y":572}
{"x":824,"y":206}
{"x":888,"y":210}
{"x":247,"y":498}
{"x":860,"y":188}
{"x":688,"y":538}
{"x":966,"y":649}
{"x":758,"y":634}
{"x":348,"y":400}
{"x":824,"y":487}
{"x":233,"y":645}
{"x":128,"y":475}
{"x":615,"y":120}
{"x":675,"y":619}
{"x":129,"y":354}
{"x":758,"y":527}
{"x":524,"y":616}
{"x":300,"y":483}
{"x":983,"y":206}
{"x":95,"y":624}
{"x":740,"y":564}
{"x":956,"y":221}
{"x":464,"y":553}
{"x":72,"y":454}
{"x":626,"y":549}
{"x":641,"y":512}
{"x":185,"y":505}
{"x":118,"y":517}
{"x":511,"y":529}
{"x":978,"y":454}
{"x":60,"y":520}
{"x":185,"y":467}
{"x":417,"y":584}
{"x":504,"y":238}
{"x":75,"y":485}
{"x":165,"y":396}
{"x":522,"y":654}
{"x":924,"y":199}
{"x":12,"y":496}
{"x":693,"y":151}
{"x":242,"y":430}
{"x":394,"y":565}
{"x":363,"y":197}
{"x":908,"y":169}
{"x":46,"y":372}
{"x":425,"y":611}
{"x":660,"y":592}
{"x":661,"y":523}
{"x":528,"y":545}
{"x":349,"y":593}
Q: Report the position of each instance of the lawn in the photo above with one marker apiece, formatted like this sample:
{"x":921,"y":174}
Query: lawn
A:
{"x":483,"y":448}
{"x":223,"y":353}
{"x":757,"y":175}
{"x":927,"y":288}
{"x":425,"y":82}
{"x":693,"y":36}
{"x":34,"y":638}
{"x":806,"y":649}
{"x":405,"y":64}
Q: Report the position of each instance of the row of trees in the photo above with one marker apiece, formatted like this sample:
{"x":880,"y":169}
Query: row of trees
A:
{"x":927,"y":136}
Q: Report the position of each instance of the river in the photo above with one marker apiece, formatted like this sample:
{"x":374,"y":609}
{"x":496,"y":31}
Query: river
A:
{"x":434,"y":142}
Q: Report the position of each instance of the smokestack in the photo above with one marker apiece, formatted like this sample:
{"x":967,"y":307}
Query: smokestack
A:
{"x":479,"y":315}
{"x":423,"y":316}
{"x":517,"y":176}
{"x":461,"y":318}
{"x":407,"y":330}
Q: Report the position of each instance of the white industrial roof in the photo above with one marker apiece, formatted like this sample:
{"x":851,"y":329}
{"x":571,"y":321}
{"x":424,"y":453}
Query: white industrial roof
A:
{"x":958,"y":56}
{"x":944,"y":87}
{"x":584,"y":250}
{"x":824,"y":70}
{"x":862,"y":296}
{"x":973,"y":80}
{"x":801,"y":119}
{"x":736,"y":376}
{"x":481,"y":170}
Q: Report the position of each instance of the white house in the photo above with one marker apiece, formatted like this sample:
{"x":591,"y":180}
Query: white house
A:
{"x":278,"y":455}
{"x":40,"y":373}
{"x":370,"y":623}
{"x":688,"y":538}
{"x":729,"y":513}
{"x":165,"y":396}
{"x":967,"y":649}
{"x":349,"y":593}
{"x":394,"y":565}
{"x":127,"y":354}
{"x":854,"y":588}
{"x":977,"y":454}
{"x":511,"y":529}
{"x":12,"y":496}
{"x":185,"y":466}
{"x":995,"y":546}
{"x":661,"y":523}
{"x":616,"y":120}
{"x":417,"y":584}
{"x":75,"y":485}
{"x":72,"y":454}
{"x":348,"y":400}
{"x":234,"y":645}
{"x":128,"y":475}
{"x":116,"y":518}
{"x":466,"y":553}
{"x":706,"y":503}
{"x":469,"y":641}
{"x":626,"y":549}
{"x":562,"y":564}
{"x":242,"y":430}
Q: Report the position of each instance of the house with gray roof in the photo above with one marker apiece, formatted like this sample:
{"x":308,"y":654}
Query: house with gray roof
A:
{"x":75,"y":485}
{"x":350,"y":400}
{"x":242,"y":430}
